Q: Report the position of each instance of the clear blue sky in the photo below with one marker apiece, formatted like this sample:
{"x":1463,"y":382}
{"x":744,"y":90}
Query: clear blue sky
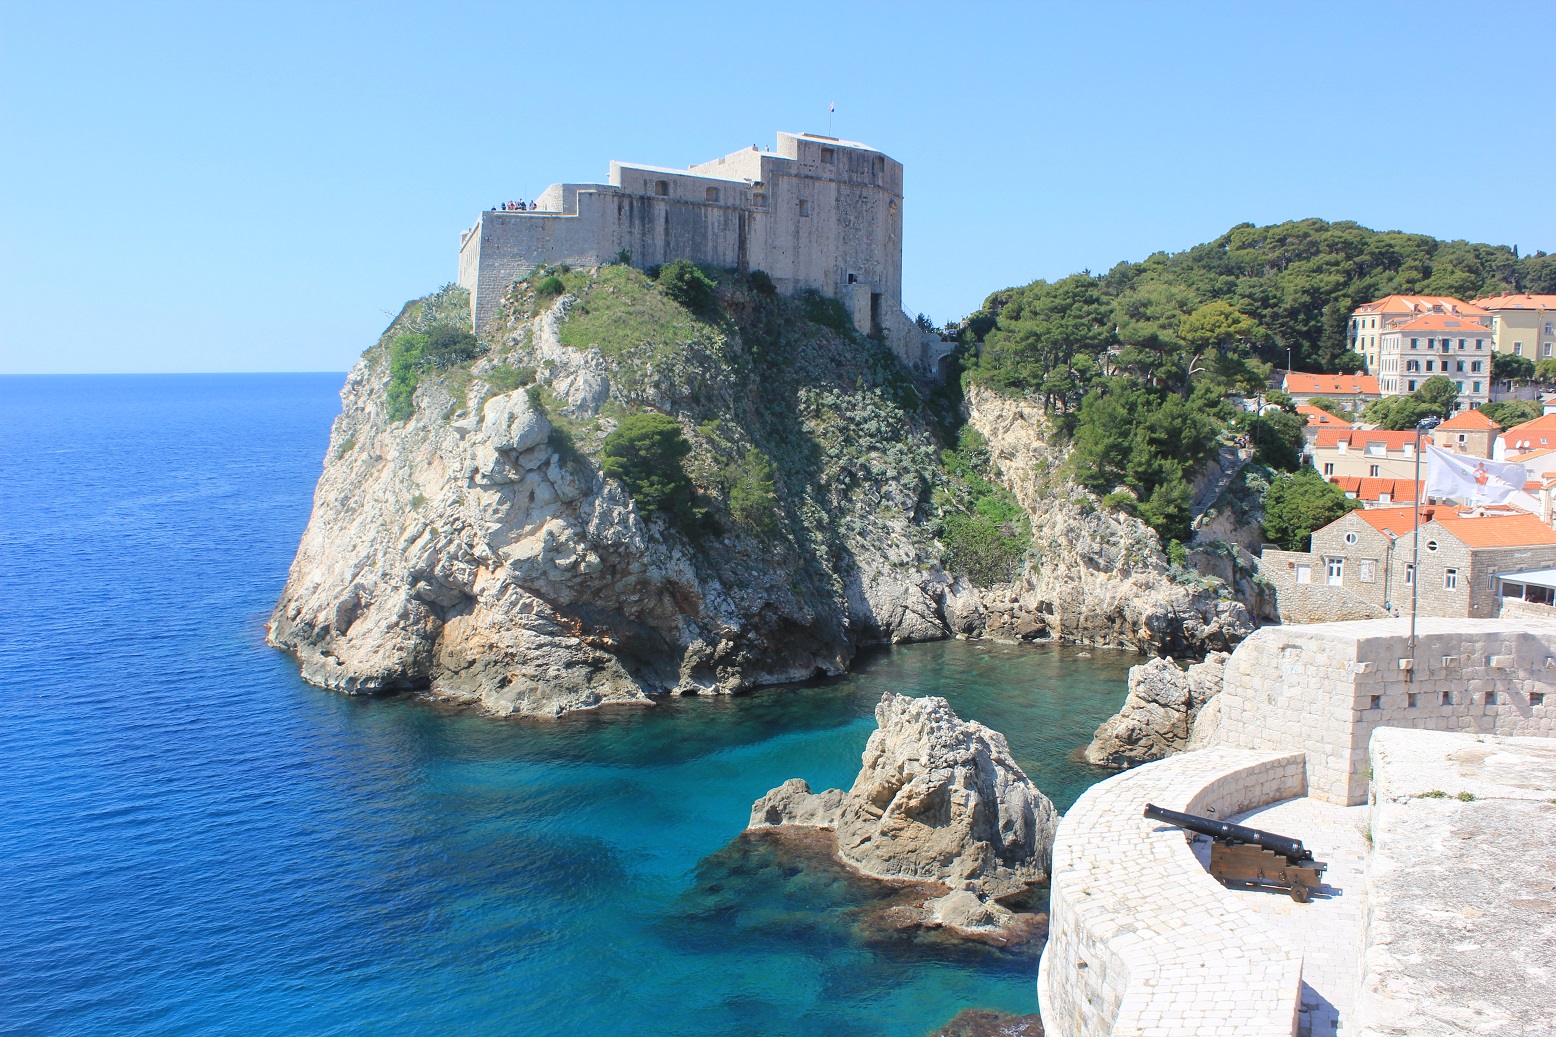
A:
{"x":251,"y":187}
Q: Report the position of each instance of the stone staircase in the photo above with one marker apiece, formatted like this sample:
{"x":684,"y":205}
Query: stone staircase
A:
{"x":1229,"y":461}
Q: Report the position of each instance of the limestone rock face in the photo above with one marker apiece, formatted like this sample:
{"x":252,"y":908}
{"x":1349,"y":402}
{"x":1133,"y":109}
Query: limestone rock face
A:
{"x":1092,"y":576}
{"x":472,"y":552}
{"x":937,"y":799}
{"x":1159,"y":714}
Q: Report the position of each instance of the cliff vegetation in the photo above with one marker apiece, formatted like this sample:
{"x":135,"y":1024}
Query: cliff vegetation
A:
{"x":680,"y":481}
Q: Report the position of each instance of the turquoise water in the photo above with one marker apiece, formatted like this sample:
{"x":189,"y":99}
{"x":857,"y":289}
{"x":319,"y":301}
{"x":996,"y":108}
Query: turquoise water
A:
{"x":194,"y":841}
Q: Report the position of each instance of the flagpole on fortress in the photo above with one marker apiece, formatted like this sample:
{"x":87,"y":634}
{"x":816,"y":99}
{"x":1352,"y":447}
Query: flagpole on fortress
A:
{"x":1425,"y":424}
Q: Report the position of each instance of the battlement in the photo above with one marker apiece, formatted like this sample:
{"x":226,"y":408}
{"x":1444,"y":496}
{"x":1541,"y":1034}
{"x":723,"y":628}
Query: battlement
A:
{"x":814,"y":213}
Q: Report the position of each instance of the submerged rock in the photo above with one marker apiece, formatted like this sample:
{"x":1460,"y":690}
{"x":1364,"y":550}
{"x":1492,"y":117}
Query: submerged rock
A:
{"x":793,"y":803}
{"x":1158,"y":716}
{"x":938,"y":799}
{"x":980,"y":1022}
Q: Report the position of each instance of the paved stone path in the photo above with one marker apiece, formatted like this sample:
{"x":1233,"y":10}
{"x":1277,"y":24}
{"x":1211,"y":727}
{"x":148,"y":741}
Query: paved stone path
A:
{"x":1328,"y":929}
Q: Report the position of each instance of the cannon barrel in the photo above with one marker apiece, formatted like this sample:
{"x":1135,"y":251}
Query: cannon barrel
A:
{"x":1291,"y":849}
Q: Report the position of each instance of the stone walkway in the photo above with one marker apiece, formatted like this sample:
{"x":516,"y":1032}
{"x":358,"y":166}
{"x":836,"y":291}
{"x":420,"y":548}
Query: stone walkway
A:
{"x":1328,"y":929}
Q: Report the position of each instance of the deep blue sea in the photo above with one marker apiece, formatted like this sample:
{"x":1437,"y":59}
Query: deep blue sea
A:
{"x":194,"y":841}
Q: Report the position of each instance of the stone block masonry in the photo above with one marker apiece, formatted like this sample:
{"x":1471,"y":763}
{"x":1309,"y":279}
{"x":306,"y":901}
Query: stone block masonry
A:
{"x":815,"y":213}
{"x":1461,"y":910}
{"x":1324,"y":689}
{"x":1142,"y":941}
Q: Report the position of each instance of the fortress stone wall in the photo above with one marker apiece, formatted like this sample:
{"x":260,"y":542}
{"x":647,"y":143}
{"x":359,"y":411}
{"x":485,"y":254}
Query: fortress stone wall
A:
{"x":814,"y":213}
{"x":1441,"y":933}
{"x":1325,"y":688}
{"x":1141,"y":939}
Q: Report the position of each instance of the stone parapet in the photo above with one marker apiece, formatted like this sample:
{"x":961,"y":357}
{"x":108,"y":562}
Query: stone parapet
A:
{"x":1142,"y":941}
{"x":1324,"y":689}
{"x":1459,"y":926}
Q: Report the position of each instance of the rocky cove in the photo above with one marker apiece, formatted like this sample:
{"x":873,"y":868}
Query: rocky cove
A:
{"x":473,"y":548}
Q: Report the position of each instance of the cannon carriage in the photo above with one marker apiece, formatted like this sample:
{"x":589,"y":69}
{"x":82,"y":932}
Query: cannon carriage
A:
{"x":1250,"y":856}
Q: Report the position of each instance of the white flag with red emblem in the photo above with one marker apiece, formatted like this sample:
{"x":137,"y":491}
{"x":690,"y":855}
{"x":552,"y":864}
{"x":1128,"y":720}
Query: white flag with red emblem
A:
{"x":1471,"y":480}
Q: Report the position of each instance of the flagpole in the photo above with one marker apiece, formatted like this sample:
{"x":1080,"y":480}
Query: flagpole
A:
{"x":1415,"y":541}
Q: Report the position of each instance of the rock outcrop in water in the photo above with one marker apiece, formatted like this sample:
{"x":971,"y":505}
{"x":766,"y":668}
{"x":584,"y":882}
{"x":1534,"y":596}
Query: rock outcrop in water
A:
{"x":1159,"y":714}
{"x":938,"y":799}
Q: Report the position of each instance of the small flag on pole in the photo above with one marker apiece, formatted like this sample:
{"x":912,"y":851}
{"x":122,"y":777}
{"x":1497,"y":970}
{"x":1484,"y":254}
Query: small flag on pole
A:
{"x":1470,"y":479}
{"x":832,"y":107}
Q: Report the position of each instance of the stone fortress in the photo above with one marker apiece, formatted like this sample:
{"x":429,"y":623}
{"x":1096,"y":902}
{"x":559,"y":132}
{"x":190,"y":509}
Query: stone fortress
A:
{"x":815,"y":213}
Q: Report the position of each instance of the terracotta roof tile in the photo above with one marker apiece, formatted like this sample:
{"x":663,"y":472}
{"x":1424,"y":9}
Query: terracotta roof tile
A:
{"x":1367,"y":488}
{"x":1440,"y":322}
{"x":1324,"y":384}
{"x":1532,"y":435}
{"x":1320,"y":417}
{"x":1357,"y":439}
{"x":1521,"y":301}
{"x":1499,"y":530}
{"x":1419,"y":304}
{"x":1468,"y":421}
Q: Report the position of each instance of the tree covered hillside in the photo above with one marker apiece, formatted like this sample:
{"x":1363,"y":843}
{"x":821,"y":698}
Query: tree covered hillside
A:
{"x":1138,"y":364}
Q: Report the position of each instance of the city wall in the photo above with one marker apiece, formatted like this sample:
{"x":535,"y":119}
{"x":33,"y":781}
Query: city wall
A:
{"x":1323,"y":689}
{"x":1141,"y":939}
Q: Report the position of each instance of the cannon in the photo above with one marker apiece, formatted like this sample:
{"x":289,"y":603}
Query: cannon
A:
{"x":1250,"y":856}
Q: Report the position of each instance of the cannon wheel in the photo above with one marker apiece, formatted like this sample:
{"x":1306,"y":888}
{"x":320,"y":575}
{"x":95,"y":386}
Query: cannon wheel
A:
{"x":1300,"y":893}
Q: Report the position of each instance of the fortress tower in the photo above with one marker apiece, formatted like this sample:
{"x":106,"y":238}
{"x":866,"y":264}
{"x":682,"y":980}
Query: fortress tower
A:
{"x":814,"y":213}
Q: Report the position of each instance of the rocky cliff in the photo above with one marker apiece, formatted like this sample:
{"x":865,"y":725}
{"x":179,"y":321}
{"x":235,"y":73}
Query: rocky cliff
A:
{"x":464,"y":539}
{"x":476,"y":550}
{"x":1092,"y":576}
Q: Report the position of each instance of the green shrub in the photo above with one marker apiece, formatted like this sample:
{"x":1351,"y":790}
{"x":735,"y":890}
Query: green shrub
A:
{"x":1296,"y":504}
{"x":1122,"y":500}
{"x":505,"y":379}
{"x":1508,"y":413}
{"x":549,"y":287}
{"x":683,"y":281}
{"x":409,"y":355}
{"x":985,"y":552}
{"x":446,"y":346}
{"x":645,"y":454}
{"x":753,"y":499}
{"x":985,"y":531}
{"x":762,"y":284}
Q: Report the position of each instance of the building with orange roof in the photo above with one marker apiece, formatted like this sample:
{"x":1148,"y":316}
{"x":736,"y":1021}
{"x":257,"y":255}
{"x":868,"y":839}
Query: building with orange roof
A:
{"x":1369,"y":320}
{"x":1456,"y":346}
{"x":1363,"y":453}
{"x":1522,"y":323}
{"x":1352,"y":389}
{"x":1368,"y":555}
{"x":1468,"y":432}
{"x":1376,"y":493}
{"x":1534,"y":434}
{"x":1317,"y":418}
